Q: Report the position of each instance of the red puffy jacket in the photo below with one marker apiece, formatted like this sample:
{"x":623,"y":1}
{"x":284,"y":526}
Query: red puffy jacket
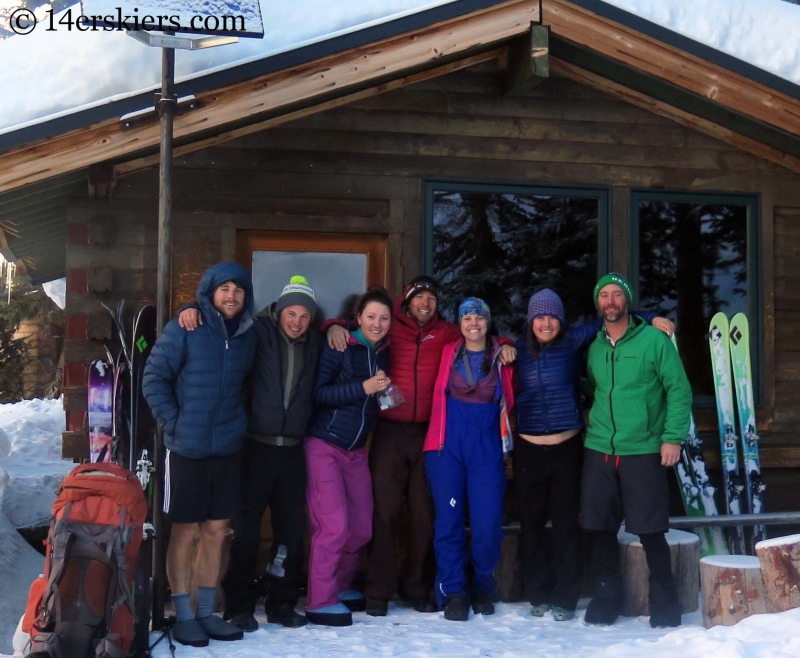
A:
{"x":414,"y":355}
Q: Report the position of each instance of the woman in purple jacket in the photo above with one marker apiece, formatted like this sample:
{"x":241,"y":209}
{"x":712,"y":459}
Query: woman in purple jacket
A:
{"x":548,"y":451}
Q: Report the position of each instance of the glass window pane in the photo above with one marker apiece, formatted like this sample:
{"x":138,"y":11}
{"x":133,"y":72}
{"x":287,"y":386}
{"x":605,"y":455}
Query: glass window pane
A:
{"x":502,"y":247}
{"x":337,"y":279}
{"x":693,"y":264}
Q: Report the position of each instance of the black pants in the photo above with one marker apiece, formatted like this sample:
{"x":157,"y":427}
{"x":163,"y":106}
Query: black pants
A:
{"x":547,"y":479}
{"x":276,"y":477}
{"x":398,"y":478}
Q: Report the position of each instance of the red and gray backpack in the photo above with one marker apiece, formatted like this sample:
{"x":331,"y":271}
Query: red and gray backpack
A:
{"x":82,"y":605}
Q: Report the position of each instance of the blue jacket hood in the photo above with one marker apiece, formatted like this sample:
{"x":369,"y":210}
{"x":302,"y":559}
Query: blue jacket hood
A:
{"x":214,"y":277}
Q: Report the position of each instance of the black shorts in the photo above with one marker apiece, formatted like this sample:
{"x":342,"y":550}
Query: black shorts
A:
{"x":198,"y":490}
{"x":631,"y":487}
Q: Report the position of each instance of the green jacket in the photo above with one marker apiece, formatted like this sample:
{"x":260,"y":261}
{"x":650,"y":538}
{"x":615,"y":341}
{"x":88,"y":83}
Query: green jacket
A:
{"x":642,"y":397}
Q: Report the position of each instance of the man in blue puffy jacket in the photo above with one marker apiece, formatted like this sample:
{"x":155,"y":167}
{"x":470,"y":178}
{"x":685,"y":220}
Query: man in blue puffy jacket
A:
{"x":193,"y":383}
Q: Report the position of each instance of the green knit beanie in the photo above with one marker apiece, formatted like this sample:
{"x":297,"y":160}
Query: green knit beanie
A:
{"x":616,"y":279}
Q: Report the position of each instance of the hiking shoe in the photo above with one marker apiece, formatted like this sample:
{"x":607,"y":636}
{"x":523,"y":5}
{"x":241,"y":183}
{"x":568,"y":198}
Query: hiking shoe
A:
{"x":424,"y":604}
{"x":286,"y":616}
{"x":482,"y":603}
{"x":377,"y":607}
{"x":562,"y":614}
{"x":337,"y":614}
{"x":539,"y":610}
{"x":353,"y":599}
{"x":245,"y":621}
{"x":456,"y":607}
{"x":190,"y":633}
{"x":218,"y":629}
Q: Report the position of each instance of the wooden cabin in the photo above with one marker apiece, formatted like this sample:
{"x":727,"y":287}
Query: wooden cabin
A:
{"x":500,"y":146}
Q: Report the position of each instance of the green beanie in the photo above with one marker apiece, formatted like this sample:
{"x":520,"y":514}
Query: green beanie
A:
{"x":616,"y":279}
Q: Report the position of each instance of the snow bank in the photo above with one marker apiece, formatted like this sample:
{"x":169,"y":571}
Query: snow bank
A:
{"x":30,"y":473}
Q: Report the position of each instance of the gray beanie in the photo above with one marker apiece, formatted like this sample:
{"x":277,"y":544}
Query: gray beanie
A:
{"x":545,"y":302}
{"x":297,"y":291}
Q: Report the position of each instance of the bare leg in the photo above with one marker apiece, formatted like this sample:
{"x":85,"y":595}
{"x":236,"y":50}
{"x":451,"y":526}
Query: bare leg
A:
{"x":180,"y":555}
{"x":209,"y":557}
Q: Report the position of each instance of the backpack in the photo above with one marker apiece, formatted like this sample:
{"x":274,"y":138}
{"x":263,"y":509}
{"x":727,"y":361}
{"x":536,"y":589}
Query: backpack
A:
{"x":82,"y":604}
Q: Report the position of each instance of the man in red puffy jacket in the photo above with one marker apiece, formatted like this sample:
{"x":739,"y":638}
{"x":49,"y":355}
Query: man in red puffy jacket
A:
{"x":416,"y":341}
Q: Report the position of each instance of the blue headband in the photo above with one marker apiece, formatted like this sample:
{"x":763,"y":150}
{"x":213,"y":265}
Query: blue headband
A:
{"x":474,"y":306}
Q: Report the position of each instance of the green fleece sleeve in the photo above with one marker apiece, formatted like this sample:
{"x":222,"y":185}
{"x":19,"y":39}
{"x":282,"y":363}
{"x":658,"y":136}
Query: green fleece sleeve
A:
{"x":678,"y":391}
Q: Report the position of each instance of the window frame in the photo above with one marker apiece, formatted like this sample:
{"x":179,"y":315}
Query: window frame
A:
{"x":754,"y":266}
{"x":601,"y":193}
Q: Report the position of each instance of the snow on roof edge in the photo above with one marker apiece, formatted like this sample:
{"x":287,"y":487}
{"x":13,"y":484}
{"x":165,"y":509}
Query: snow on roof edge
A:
{"x":385,"y":27}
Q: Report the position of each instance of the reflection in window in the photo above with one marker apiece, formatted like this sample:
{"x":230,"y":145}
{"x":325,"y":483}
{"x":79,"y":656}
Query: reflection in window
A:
{"x":503,"y":247}
{"x":692,"y":264}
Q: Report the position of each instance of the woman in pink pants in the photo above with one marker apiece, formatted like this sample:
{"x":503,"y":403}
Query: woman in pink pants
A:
{"x":339,"y":489}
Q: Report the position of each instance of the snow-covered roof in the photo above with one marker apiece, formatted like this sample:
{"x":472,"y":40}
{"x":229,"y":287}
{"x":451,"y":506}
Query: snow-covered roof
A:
{"x":84,"y":72}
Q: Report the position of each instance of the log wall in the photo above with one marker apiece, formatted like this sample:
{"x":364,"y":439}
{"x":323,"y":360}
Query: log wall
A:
{"x":362,"y":168}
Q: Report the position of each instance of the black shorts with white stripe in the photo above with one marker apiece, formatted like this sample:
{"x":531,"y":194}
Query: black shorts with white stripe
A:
{"x":198,"y":490}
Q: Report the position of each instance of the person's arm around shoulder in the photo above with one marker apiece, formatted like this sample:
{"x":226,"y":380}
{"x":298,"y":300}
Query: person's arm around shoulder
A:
{"x":189,"y":316}
{"x":160,"y":373}
{"x":337,"y":333}
{"x":678,"y":399}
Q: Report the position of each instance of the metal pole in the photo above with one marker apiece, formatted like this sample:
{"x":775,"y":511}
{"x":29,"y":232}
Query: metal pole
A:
{"x":166,"y":111}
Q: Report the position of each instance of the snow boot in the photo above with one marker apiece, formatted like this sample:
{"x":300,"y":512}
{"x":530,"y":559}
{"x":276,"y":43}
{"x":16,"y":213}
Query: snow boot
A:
{"x":539,"y":609}
{"x":377,"y":607}
{"x":665,"y":610}
{"x":605,"y":607}
{"x":483,"y":603}
{"x":353,"y":599}
{"x":456,"y":607}
{"x":337,"y":614}
{"x":424,"y":604}
{"x":245,"y":621}
{"x":286,"y":616}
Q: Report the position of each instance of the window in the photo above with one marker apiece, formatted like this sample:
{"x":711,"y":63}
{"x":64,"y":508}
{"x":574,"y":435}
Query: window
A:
{"x":504,"y":243}
{"x":696,"y":257}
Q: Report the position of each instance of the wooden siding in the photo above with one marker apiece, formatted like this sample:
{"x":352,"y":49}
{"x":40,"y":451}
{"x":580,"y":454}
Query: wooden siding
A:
{"x":361,"y":168}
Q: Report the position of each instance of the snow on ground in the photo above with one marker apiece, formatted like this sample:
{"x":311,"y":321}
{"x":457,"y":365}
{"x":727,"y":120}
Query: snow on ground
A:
{"x":30,"y":472}
{"x":32,"y":469}
{"x":98,"y":67}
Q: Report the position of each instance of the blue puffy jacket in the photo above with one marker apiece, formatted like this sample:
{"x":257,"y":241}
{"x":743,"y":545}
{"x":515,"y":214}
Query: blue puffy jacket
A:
{"x":547,"y":388}
{"x":193,"y":379}
{"x":345,"y":414}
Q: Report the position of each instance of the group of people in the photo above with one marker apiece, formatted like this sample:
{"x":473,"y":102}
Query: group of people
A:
{"x":262,"y":411}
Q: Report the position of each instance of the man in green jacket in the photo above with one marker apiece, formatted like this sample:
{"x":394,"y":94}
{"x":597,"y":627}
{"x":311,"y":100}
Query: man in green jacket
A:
{"x":639,"y":418}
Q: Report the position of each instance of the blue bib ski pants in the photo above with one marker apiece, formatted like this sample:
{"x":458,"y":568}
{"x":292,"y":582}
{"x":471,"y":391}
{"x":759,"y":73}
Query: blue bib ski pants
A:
{"x":468,"y":470}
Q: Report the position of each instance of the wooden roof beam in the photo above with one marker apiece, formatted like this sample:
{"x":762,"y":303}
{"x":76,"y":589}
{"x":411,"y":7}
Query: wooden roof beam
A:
{"x":527,"y":62}
{"x":672,"y":64}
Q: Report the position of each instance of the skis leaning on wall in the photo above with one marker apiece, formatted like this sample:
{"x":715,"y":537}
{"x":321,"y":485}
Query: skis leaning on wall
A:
{"x":696,"y":489}
{"x":723,"y":389}
{"x":100,"y":409}
{"x":743,"y":381}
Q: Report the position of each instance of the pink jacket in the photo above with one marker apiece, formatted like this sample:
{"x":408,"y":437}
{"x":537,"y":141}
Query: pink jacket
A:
{"x":434,"y":439}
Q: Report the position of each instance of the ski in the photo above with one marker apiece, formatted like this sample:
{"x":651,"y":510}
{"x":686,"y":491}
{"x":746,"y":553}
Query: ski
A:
{"x":696,"y":489}
{"x":723,"y":389}
{"x":100,"y":409}
{"x":142,"y":337}
{"x":743,"y":381}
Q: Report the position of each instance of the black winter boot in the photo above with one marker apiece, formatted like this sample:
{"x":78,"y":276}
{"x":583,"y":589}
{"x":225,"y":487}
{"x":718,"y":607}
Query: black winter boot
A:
{"x":665,"y":610}
{"x":456,"y":607}
{"x":605,"y":607}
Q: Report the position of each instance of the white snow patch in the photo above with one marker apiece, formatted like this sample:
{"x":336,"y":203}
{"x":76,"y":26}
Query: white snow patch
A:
{"x":674,"y":537}
{"x":788,"y":540}
{"x":57,"y":291}
{"x":732,"y":561}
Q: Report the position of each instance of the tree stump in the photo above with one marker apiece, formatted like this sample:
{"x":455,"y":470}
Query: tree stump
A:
{"x":780,"y":571}
{"x":684,"y":548}
{"x":507,"y":573}
{"x":732,"y":589}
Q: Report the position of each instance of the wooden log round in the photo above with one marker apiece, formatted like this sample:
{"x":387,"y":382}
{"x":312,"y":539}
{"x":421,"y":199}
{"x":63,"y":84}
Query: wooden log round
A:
{"x":684,"y":548}
{"x":780,"y":570}
{"x":732,"y":589}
